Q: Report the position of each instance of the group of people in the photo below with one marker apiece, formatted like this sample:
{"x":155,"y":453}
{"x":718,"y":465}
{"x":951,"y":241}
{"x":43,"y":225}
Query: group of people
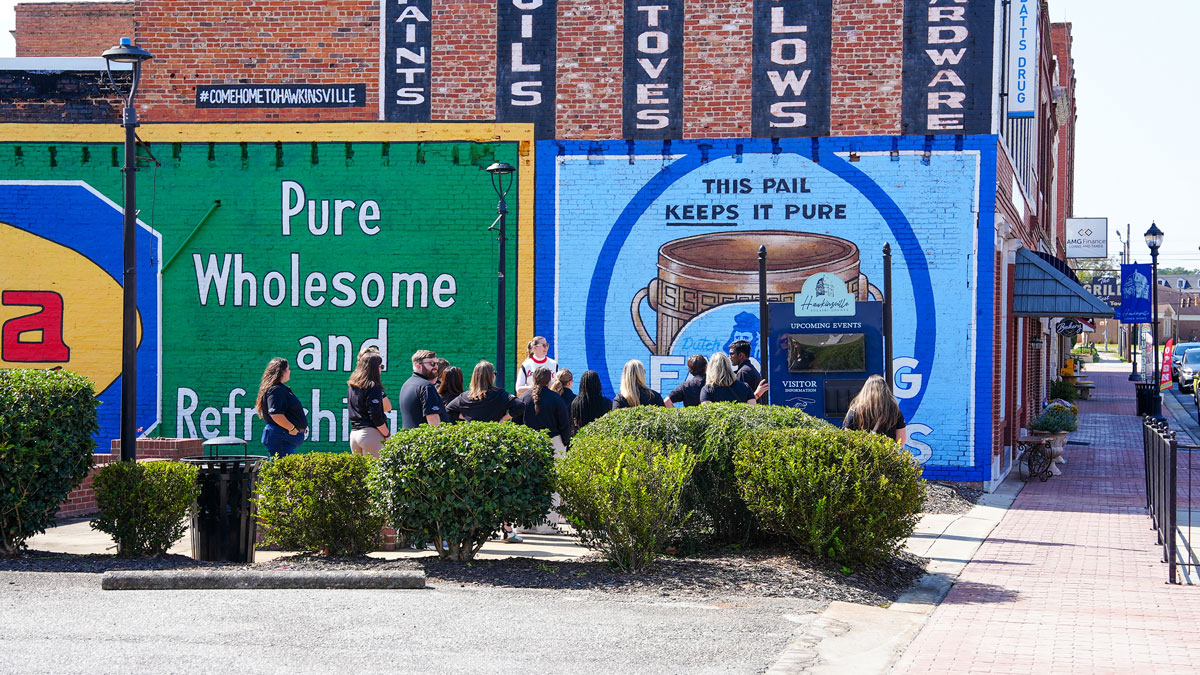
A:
{"x":544,"y":400}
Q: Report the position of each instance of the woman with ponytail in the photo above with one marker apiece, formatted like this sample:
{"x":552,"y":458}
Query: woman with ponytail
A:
{"x":535,"y":357}
{"x":544,"y":409}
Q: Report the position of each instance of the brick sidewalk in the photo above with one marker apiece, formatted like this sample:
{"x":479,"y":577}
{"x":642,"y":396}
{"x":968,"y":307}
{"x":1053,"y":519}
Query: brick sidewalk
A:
{"x":1070,"y":580}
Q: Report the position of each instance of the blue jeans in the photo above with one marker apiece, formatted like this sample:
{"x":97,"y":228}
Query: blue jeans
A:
{"x":279,"y":442}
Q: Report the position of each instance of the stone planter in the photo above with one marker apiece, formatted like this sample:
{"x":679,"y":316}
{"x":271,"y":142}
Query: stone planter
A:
{"x":1058,"y":442}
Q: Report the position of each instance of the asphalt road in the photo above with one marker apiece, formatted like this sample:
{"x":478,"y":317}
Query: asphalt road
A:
{"x":56,"y":623}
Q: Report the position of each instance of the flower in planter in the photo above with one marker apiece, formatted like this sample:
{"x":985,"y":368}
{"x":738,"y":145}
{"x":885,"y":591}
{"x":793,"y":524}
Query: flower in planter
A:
{"x":1055,"y":419}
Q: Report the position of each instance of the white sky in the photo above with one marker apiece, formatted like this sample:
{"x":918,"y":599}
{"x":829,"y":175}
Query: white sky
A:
{"x":1137,"y":100}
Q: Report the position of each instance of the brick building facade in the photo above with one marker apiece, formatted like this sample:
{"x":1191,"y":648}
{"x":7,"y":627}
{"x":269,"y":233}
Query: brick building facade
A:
{"x":640,"y":130}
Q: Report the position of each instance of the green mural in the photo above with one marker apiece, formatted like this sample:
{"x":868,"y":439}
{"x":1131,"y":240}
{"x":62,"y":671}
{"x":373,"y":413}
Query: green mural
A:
{"x":305,"y":251}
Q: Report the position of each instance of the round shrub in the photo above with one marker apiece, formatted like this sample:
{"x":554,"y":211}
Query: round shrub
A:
{"x":47,"y":419}
{"x":850,"y":496}
{"x":318,"y":502}
{"x":718,"y":513}
{"x":144,"y":505}
{"x":456,"y":483}
{"x":624,"y":495}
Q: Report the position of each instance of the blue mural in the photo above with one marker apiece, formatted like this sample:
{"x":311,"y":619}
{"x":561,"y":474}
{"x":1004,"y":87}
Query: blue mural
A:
{"x":654,"y":249}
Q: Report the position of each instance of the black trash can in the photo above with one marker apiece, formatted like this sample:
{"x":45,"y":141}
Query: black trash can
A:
{"x":224,"y":527}
{"x":1145,"y":397}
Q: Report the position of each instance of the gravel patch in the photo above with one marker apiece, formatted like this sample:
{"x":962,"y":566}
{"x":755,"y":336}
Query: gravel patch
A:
{"x":765,"y":572}
{"x":949,"y":498}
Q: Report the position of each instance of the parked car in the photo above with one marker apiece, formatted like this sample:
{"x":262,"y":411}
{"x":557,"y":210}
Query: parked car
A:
{"x":1177,"y":355}
{"x":1189,"y":370}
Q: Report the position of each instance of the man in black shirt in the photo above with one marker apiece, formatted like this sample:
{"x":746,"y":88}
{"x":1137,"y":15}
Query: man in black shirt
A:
{"x":689,"y":390}
{"x":419,"y":401}
{"x":739,"y":354}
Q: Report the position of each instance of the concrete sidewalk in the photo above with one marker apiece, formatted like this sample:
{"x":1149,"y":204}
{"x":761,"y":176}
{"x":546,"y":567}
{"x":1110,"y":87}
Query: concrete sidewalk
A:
{"x":1070,"y":581}
{"x":77,"y":537}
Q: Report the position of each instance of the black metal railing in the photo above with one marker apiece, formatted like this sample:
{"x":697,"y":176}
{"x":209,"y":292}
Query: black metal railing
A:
{"x":1162,"y":455}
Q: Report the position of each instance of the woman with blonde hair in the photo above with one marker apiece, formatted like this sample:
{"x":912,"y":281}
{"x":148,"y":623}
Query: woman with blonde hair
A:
{"x":366,"y":401}
{"x":484,"y":402}
{"x":633,"y":391}
{"x":535,"y":357}
{"x":720,"y":384}
{"x":561,"y":385}
{"x":280,"y":409}
{"x":875,"y":409}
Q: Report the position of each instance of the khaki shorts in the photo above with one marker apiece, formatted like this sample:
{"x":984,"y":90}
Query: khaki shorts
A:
{"x":366,"y":442}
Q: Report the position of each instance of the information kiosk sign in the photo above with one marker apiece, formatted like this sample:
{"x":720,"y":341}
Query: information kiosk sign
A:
{"x":819,"y":362}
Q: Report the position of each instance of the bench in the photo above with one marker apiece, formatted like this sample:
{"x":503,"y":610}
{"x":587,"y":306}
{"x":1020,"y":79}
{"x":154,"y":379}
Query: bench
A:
{"x":1035,"y":456}
{"x":1084,"y":387}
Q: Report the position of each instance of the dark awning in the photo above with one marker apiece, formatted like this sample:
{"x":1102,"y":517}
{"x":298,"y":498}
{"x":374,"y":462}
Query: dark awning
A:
{"x":1045,"y":286}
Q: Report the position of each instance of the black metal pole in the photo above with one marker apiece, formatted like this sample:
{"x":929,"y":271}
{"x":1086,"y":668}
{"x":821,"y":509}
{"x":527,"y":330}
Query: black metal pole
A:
{"x":1156,"y":407}
{"x":129,"y":286}
{"x":887,"y":312}
{"x":764,"y":326}
{"x":501,"y":368}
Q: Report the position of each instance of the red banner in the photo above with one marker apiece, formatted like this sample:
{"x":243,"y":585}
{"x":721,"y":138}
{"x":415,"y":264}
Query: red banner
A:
{"x":1164,"y":380}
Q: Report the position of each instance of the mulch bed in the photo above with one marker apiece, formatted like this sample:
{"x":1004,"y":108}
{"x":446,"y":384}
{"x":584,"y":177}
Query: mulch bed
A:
{"x":756,"y":572}
{"x":950,"y":498}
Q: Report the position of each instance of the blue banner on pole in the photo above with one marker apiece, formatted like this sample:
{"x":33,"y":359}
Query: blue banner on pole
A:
{"x":1135,"y":294}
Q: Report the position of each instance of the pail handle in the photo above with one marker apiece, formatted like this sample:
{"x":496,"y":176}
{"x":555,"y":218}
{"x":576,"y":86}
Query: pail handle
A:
{"x":636,"y":315}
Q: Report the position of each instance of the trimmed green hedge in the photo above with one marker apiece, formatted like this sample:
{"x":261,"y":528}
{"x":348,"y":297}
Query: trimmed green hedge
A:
{"x":850,"y":496}
{"x":47,"y":419}
{"x":713,"y":431}
{"x":319,"y":502}
{"x":624,"y":495}
{"x":458,"y":482}
{"x":144,"y":505}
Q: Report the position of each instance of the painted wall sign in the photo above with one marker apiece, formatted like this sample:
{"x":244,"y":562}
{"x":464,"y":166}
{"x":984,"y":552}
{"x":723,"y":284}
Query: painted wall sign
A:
{"x":652,"y":93}
{"x":1107,"y":288}
{"x":947,"y":76}
{"x":1022,"y":63}
{"x":319,"y":247}
{"x":526,"y":38}
{"x":656,"y":258}
{"x":1136,"y":306}
{"x":281,"y":95}
{"x":407,"y":39}
{"x":1087,"y":237}
{"x":60,"y":291}
{"x":792,"y":42}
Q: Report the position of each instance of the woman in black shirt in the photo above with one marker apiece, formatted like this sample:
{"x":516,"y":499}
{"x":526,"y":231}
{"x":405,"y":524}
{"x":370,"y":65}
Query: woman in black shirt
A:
{"x":634,"y":391}
{"x":875,"y":409}
{"x":561,"y":384}
{"x":450,"y":388}
{"x":368,"y":406}
{"x":545,"y":409}
{"x":720,"y":384}
{"x":281,"y":410}
{"x":590,"y":404}
{"x":483,"y":402}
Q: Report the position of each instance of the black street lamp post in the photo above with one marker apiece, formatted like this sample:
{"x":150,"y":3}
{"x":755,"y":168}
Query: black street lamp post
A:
{"x":127,"y":52}
{"x":499,"y":171}
{"x":1154,"y":239}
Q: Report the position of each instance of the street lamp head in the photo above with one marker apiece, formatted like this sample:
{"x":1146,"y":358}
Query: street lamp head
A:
{"x":1154,"y":237}
{"x":126,"y":52}
{"x":499,"y":170}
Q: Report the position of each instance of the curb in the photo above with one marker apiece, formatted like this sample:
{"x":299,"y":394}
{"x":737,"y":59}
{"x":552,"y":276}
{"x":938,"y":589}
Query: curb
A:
{"x":175,"y":580}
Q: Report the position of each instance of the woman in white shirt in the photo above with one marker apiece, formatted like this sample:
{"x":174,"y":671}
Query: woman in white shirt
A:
{"x":535,"y":357}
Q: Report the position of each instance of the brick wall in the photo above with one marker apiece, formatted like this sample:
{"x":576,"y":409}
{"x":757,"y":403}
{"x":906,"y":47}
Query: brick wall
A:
{"x":1065,"y":113}
{"x":589,"y":68}
{"x":272,"y":41}
{"x":60,"y":96}
{"x":464,"y":60}
{"x":70,"y":28}
{"x":718,"y":66}
{"x":866,"y":63}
